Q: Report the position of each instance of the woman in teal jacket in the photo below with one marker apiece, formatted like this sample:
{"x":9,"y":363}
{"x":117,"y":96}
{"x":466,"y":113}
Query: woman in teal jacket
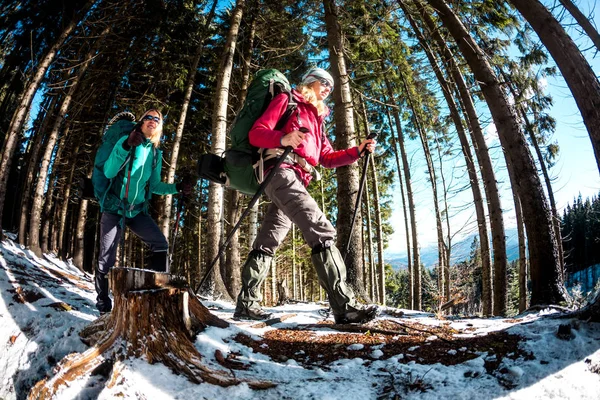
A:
{"x":143,"y":175}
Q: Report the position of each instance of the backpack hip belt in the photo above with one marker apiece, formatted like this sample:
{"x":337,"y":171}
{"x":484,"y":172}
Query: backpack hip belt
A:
{"x":292,"y":158}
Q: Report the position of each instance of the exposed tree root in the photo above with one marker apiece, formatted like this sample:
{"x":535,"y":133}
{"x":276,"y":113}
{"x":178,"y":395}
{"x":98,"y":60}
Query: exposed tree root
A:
{"x":151,"y":319}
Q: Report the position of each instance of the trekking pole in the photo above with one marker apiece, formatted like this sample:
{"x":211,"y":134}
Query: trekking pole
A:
{"x":361,"y":187}
{"x":125,"y":203}
{"x":176,"y":229}
{"x":255,"y":198}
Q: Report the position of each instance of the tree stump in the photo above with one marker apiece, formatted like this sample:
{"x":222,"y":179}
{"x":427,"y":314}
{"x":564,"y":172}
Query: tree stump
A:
{"x":155,"y":317}
{"x":282,"y":292}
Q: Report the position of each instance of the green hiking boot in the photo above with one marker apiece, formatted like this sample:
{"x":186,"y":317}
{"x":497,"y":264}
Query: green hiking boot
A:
{"x":257,"y":314}
{"x":331,"y":271}
{"x":357,"y":317}
{"x":254,"y":273}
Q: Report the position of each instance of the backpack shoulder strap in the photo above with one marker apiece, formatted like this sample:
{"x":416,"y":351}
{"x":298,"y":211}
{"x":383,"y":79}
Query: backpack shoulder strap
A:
{"x":291,"y":107}
{"x":155,"y":155}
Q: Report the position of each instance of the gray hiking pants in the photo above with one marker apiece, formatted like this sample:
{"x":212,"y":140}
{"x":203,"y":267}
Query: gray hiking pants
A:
{"x":291,"y":202}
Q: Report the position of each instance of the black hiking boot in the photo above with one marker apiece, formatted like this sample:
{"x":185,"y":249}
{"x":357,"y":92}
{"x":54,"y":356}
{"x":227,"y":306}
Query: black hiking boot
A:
{"x":256,"y":314}
{"x":357,"y":317}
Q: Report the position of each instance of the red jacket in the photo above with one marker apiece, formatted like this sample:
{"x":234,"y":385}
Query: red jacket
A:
{"x":315,"y":148}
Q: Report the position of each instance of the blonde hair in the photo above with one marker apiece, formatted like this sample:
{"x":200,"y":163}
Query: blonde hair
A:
{"x":155,"y":139}
{"x":308,"y":92}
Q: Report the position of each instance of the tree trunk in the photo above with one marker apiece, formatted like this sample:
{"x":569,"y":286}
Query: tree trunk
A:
{"x":433,"y":179}
{"x":529,"y":130}
{"x":378,"y":222}
{"x":153,"y":318}
{"x":56,"y":190}
{"x":24,"y":104}
{"x":485,"y":164}
{"x":233,"y":279}
{"x":64,"y":207}
{"x":369,"y":269}
{"x":379,"y":226}
{"x":549,"y":190}
{"x":546,"y":288}
{"x":522,"y":255}
{"x":46,"y":108}
{"x":38,"y":197}
{"x":471,"y":169}
{"x":585,"y":23}
{"x":347,"y":177}
{"x":575,"y":69}
{"x":168,"y":200}
{"x":219,"y":124}
{"x":414,"y":274}
{"x":403,"y":196}
{"x":79,"y":252}
{"x":294,"y":266}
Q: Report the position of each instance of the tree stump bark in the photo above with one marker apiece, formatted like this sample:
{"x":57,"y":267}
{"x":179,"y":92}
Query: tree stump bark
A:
{"x":154,"y":316}
{"x":282,"y":292}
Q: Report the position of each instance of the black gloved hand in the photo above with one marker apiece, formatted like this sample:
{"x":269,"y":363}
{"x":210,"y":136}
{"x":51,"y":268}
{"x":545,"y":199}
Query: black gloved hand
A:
{"x":136,"y":137}
{"x":186,"y":186}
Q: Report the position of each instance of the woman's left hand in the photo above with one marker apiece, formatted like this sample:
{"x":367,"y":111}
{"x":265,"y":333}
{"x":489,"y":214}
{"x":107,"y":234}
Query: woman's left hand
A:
{"x":368,"y":145}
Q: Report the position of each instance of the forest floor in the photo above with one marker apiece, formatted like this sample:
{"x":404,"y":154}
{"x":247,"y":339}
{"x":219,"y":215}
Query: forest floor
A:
{"x":403,"y":354}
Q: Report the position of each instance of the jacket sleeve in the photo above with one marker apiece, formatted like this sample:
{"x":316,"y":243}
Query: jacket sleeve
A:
{"x":333,"y":159}
{"x":156,"y":186}
{"x":115,"y":161}
{"x":263,"y":133}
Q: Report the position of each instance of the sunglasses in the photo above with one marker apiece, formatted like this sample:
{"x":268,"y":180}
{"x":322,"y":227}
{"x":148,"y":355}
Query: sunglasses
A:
{"x":326,"y":83}
{"x":151,"y":118}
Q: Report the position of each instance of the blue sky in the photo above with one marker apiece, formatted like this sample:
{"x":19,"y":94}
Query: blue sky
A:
{"x":575,"y":170}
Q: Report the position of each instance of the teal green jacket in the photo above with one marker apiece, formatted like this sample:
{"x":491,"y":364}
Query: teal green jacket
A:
{"x":142,"y":176}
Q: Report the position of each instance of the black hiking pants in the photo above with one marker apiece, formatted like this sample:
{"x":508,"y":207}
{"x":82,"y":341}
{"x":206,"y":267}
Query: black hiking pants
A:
{"x":110,"y":235}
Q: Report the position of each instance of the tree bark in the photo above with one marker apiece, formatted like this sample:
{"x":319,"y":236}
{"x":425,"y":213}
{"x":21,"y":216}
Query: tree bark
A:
{"x":233,"y":278}
{"x":32,"y":165}
{"x":24,"y":104}
{"x":486,"y":167}
{"x":414,"y":274}
{"x":367,"y":239}
{"x":471,"y":168}
{"x":347,"y":177}
{"x":575,"y":69}
{"x":154,"y":318}
{"x":406,"y":219}
{"x":546,"y":287}
{"x":168,"y":200}
{"x":585,"y":23}
{"x":522,"y":254}
{"x":378,"y":222}
{"x":55,"y":191}
{"x":38,"y":197}
{"x":433,"y":179}
{"x":219,"y":125}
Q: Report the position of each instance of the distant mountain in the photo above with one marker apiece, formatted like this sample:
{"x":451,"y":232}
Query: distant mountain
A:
{"x":460,"y":251}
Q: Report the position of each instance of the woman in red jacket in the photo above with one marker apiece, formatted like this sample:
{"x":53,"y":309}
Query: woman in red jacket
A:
{"x":291,"y":202}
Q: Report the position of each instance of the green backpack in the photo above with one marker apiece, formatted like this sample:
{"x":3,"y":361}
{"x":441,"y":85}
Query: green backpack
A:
{"x":235,"y":169}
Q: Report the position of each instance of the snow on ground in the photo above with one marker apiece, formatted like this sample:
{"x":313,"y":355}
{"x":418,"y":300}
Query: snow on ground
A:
{"x":44,"y":304}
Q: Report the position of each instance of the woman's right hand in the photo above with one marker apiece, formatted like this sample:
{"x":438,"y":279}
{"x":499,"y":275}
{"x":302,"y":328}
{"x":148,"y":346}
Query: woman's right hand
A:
{"x":293,"y":139}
